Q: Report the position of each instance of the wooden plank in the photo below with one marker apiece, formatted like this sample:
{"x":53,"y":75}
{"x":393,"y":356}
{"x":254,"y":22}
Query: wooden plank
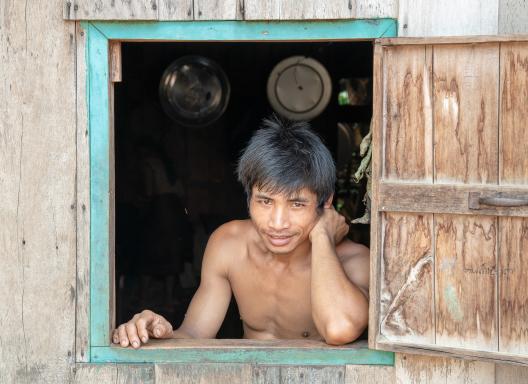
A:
{"x":513,"y":145}
{"x":375,"y":9}
{"x":513,"y":16}
{"x":265,"y":374}
{"x":110,"y":10}
{"x":438,"y":198}
{"x":511,"y":374}
{"x":82,"y":318}
{"x":135,"y":374}
{"x":465,"y":281}
{"x":411,"y":369}
{"x":37,"y":183}
{"x":375,"y":217}
{"x":175,"y":10}
{"x":465,"y":113}
{"x":218,"y":9}
{"x":386,"y":41}
{"x":368,"y":374}
{"x":407,"y":301}
{"x":170,"y":351}
{"x":203,"y":373}
{"x":116,"y":68}
{"x":313,"y":375}
{"x":314,"y":9}
{"x":513,"y":295}
{"x":94,"y":373}
{"x":407,"y":115}
{"x":453,"y":352}
{"x":447,"y":17}
{"x":262,"y":10}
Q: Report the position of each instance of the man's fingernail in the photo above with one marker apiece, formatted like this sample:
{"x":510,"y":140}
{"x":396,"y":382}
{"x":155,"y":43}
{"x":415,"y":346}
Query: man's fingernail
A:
{"x":123,"y":344}
{"x":144,"y":339}
{"x":135,"y":344}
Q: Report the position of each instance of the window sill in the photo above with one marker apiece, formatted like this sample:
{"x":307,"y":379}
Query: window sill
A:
{"x":295,"y":352}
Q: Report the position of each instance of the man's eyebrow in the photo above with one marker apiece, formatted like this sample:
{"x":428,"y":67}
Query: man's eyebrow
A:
{"x":262,"y":196}
{"x":299,"y":199}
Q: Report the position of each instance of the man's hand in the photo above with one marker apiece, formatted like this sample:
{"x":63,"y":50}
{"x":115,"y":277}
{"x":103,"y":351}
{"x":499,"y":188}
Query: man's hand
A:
{"x":331,"y":224}
{"x":142,"y":326}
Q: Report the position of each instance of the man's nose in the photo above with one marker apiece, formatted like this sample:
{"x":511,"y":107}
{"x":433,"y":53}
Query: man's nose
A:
{"x":279,"y":219}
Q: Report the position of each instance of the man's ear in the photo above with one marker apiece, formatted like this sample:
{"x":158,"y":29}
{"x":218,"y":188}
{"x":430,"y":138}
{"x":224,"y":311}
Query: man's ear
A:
{"x":328,"y":202}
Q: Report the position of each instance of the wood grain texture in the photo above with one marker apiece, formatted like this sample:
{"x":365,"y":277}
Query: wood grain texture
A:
{"x":312,"y":375}
{"x":511,"y":374}
{"x":375,"y":217}
{"x":37,"y":185}
{"x":407,"y":115}
{"x":218,"y":9}
{"x":116,"y":65}
{"x":513,"y":144}
{"x":94,"y":373}
{"x":447,"y":17}
{"x":513,"y":295}
{"x":441,"y":198}
{"x":513,"y":16}
{"x":465,"y":281}
{"x":175,"y":10}
{"x":406,"y":308}
{"x":315,"y":9}
{"x":265,"y":374}
{"x":465,"y":113}
{"x":412,"y":369}
{"x":262,"y":10}
{"x":369,"y":374}
{"x":135,"y":374}
{"x":82,"y":205}
{"x":203,"y":373}
{"x":111,"y":10}
{"x":374,"y":9}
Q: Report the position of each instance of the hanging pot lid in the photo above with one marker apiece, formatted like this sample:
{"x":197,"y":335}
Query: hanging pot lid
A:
{"x":299,"y":88}
{"x":194,"y":91}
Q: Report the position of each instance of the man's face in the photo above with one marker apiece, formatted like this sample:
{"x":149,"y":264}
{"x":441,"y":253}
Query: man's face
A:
{"x":283,"y":221}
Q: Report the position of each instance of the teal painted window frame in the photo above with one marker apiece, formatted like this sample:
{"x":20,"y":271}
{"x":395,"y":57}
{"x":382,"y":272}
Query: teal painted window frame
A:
{"x":98,"y":97}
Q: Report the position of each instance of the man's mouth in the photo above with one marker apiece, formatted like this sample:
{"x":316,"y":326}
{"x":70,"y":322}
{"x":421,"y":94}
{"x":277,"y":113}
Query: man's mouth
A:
{"x":279,"y":240}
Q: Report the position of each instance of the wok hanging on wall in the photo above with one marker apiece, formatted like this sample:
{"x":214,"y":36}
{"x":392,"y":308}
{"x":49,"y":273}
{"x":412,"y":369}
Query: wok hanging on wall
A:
{"x":194,"y":91}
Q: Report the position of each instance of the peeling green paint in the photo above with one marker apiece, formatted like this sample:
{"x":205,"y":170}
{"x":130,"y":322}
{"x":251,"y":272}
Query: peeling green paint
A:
{"x":453,"y":304}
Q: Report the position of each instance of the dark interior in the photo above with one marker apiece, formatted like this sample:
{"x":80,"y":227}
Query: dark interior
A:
{"x":176,"y":184}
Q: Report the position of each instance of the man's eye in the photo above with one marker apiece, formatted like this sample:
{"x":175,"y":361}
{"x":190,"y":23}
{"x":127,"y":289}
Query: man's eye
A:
{"x":297,"y":205}
{"x":265,"y":201}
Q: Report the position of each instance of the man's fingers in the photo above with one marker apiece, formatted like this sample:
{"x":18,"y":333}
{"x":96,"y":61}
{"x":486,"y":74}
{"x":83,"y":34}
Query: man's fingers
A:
{"x":123,"y":339}
{"x":141,"y":325}
{"x":132,"y":334}
{"x":115,"y":337}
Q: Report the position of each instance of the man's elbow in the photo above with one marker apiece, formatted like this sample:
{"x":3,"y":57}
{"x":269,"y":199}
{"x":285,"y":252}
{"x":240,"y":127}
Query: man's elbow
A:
{"x":344,"y":332}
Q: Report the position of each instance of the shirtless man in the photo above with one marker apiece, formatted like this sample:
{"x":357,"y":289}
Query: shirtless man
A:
{"x":292,"y":274}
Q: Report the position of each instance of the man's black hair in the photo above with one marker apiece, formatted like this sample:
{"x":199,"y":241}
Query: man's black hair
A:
{"x":286,"y":156}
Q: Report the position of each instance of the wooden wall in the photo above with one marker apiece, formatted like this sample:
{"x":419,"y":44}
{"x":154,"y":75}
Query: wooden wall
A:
{"x":44,"y":185}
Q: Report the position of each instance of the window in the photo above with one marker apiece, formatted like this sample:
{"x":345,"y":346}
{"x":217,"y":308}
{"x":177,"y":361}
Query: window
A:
{"x":101,"y":98}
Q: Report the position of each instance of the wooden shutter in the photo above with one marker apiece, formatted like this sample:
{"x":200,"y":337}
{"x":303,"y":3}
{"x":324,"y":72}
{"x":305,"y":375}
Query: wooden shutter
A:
{"x":449,"y":228}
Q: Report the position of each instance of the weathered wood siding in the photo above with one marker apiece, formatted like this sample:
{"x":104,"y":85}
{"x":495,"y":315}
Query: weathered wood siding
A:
{"x":37,"y":184}
{"x":45,"y":195}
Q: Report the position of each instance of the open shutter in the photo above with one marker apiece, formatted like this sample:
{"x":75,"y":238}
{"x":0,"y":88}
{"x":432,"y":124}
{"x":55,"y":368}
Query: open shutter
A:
{"x":449,"y":245}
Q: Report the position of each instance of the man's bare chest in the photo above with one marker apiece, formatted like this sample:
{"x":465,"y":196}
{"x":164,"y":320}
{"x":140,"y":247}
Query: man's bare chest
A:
{"x":274,"y":303}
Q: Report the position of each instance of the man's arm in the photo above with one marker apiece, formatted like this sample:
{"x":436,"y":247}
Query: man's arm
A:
{"x":338,"y":288}
{"x":207,"y":309}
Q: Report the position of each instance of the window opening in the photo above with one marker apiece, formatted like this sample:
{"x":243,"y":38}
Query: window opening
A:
{"x":175,"y":185}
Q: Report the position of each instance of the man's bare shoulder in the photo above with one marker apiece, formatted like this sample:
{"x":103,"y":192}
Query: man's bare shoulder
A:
{"x":234,"y":230}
